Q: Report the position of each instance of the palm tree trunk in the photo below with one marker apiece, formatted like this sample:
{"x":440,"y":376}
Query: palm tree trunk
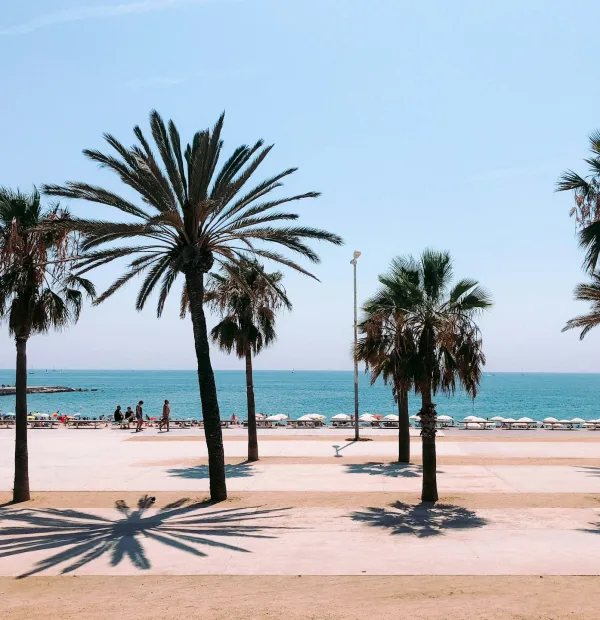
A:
{"x":403,"y":427}
{"x":252,"y":435}
{"x":428,"y":431}
{"x":208,"y":388}
{"x":21,"y":483}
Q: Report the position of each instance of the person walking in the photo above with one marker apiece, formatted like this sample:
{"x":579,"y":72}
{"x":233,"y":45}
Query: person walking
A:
{"x":139,"y":416}
{"x":166,"y":412}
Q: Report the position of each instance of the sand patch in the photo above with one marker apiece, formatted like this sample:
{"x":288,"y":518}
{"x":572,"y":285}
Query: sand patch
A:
{"x":300,"y":598}
{"x":309,"y":499}
{"x":482,"y":461}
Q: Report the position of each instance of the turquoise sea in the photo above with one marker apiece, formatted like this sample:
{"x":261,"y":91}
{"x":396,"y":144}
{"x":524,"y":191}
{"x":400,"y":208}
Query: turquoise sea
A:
{"x":300,"y":392}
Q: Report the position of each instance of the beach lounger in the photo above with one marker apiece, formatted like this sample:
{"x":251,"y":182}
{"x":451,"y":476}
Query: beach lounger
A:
{"x":472,"y":426}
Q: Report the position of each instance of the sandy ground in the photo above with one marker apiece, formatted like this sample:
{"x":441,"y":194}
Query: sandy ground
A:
{"x":416,"y":459}
{"x":296,"y":598}
{"x":316,"y":499}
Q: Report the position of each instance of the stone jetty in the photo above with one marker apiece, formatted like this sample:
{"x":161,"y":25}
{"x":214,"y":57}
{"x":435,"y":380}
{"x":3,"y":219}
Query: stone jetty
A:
{"x":40,"y":389}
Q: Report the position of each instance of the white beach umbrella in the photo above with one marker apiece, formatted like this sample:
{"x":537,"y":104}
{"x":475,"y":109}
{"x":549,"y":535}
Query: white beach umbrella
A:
{"x":509,"y":420}
{"x":392,"y":417}
{"x":341,"y":416}
{"x":367,"y":417}
{"x":260,"y":416}
{"x":445,"y":418}
{"x":550,"y":420}
{"x":578,"y":421}
{"x":565,"y":422}
{"x":414,"y":417}
{"x":473,"y":418}
{"x":497,"y":418}
{"x":278,"y":417}
{"x":529,"y":420}
{"x":304,"y":418}
{"x":316,"y":416}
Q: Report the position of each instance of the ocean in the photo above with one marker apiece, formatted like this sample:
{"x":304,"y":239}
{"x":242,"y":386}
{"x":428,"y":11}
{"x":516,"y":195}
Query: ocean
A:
{"x":296,"y":393}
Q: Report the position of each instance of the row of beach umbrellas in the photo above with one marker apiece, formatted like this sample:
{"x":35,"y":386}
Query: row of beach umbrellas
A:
{"x":472,"y":418}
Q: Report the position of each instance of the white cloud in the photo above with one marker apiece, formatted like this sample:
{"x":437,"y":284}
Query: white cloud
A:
{"x":84,"y":13}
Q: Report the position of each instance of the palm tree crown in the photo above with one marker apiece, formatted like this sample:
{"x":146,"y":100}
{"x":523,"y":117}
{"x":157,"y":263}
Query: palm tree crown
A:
{"x":38,"y":292}
{"x":247,"y":298}
{"x":589,"y":292}
{"x":192,"y":213}
{"x":435,"y":320}
{"x":586,"y":192}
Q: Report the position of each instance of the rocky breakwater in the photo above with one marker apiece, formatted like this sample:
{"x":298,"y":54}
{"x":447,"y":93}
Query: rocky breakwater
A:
{"x":40,"y":389}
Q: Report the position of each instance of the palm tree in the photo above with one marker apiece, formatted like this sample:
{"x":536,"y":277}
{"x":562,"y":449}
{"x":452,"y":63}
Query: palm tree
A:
{"x":385,"y":348}
{"x":587,"y":292}
{"x":586,"y":192}
{"x":190,"y":217}
{"x":38,"y":292}
{"x":446,"y":348}
{"x":247,"y":298}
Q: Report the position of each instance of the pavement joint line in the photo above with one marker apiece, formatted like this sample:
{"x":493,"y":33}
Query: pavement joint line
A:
{"x":487,"y":468}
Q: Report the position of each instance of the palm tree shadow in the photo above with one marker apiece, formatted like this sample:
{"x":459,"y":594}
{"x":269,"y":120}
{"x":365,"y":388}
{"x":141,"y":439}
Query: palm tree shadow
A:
{"x":80,"y":537}
{"x":593,"y":529}
{"x":391,"y":470}
{"x":200,"y":472}
{"x":422,"y":520}
{"x":590,"y":471}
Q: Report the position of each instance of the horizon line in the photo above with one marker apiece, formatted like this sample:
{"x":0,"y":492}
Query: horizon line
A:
{"x":490,"y":372}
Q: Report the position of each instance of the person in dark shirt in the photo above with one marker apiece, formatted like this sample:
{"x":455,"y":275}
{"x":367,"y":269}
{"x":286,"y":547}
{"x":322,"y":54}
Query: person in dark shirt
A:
{"x":118,"y":414}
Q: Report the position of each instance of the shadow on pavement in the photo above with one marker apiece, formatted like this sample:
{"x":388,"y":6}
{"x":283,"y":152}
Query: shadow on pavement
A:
{"x":80,"y":537}
{"x":422,"y":520}
{"x":590,"y":471}
{"x":392,"y":470}
{"x":200,"y":472}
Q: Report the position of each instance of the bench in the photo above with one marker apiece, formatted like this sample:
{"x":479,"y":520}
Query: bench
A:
{"x":85,"y":423}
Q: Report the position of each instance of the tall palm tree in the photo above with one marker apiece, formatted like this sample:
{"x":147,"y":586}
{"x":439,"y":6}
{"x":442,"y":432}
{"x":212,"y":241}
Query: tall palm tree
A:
{"x":385,"y":349}
{"x":587,"y":292}
{"x":190,"y":217}
{"x":38,"y":292}
{"x":586,"y":211}
{"x":247,"y":298}
{"x":447,"y":347}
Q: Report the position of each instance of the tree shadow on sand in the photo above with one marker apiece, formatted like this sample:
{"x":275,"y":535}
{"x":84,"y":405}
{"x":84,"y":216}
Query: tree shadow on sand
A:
{"x":80,"y":537}
{"x":391,"y":470}
{"x":200,"y":472}
{"x":422,"y":520}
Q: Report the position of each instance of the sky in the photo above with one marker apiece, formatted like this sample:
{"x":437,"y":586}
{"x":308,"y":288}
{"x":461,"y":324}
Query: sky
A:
{"x":423,"y":124}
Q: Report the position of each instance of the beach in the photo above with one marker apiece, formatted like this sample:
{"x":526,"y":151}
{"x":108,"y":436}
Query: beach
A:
{"x":304,"y":534}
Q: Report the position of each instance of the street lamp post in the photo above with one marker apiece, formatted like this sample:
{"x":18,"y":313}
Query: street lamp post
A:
{"x":356,"y":426}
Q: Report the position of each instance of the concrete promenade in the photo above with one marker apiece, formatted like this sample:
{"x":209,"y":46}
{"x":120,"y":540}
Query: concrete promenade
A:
{"x":110,"y":504}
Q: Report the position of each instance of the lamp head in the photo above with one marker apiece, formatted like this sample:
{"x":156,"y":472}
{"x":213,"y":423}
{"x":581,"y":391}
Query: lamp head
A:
{"x":356,"y":254}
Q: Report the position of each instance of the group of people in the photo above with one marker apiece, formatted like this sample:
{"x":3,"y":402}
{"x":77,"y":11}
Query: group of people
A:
{"x":129,"y":415}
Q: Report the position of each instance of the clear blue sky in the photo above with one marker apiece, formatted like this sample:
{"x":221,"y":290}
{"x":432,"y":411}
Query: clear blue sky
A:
{"x":423,"y":123}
